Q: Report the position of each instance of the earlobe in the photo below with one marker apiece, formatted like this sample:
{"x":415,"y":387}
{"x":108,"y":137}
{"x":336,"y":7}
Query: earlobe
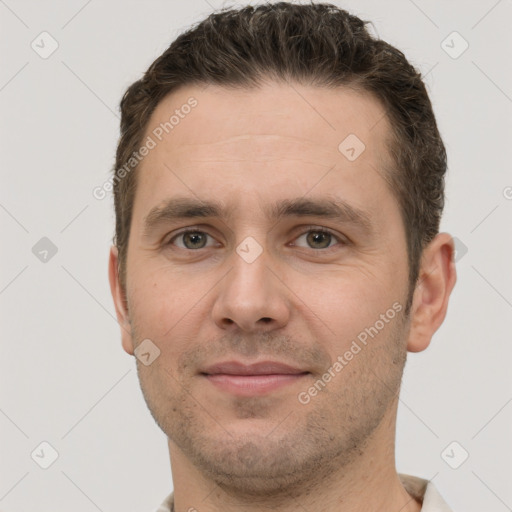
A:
{"x":436,"y":280}
{"x":120,"y":303}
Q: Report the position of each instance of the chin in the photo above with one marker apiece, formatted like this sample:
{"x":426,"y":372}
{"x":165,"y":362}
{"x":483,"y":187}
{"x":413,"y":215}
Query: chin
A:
{"x":255,"y":468}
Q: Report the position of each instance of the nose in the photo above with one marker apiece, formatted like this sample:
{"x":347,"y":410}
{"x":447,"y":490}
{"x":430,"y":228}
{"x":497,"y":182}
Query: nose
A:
{"x":251,"y":297}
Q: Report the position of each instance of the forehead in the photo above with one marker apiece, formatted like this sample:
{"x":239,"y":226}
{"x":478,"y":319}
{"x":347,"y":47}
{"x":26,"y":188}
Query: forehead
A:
{"x":276,"y":138}
{"x":277,"y":114}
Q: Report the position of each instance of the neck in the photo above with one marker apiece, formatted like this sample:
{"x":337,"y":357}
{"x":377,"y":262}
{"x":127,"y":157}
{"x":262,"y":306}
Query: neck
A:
{"x":369,"y":483}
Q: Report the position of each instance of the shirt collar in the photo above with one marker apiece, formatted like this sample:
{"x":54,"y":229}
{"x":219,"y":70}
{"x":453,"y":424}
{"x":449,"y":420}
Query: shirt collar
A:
{"x":419,"y":488}
{"x":425,"y":492}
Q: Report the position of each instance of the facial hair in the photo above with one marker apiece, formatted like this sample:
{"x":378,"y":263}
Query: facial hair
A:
{"x":288,"y":447}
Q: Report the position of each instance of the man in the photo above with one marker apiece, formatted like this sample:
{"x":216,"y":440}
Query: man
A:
{"x":278,"y":187}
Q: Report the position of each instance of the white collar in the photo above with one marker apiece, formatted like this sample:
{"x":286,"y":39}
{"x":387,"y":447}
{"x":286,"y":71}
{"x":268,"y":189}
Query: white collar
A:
{"x":419,"y":488}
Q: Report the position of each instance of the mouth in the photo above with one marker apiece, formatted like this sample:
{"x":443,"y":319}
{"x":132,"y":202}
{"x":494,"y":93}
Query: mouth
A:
{"x":252,"y":379}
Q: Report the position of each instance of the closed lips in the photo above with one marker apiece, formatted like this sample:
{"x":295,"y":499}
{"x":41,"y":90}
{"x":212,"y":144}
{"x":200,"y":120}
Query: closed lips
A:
{"x":261,"y":368}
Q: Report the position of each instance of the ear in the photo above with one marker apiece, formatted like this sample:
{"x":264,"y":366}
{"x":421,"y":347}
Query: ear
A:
{"x":437,"y":276}
{"x":120,"y":302}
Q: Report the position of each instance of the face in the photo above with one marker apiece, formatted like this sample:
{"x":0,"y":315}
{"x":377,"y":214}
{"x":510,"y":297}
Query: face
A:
{"x":260,"y":236}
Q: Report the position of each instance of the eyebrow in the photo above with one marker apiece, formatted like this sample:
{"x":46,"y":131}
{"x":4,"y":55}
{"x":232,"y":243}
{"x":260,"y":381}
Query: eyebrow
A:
{"x":179,"y":208}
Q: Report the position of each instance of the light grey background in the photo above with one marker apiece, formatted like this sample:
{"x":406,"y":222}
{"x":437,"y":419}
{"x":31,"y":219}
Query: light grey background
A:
{"x":64,"y":377}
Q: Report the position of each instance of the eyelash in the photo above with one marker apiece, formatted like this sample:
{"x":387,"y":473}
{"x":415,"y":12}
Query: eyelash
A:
{"x":309,"y":229}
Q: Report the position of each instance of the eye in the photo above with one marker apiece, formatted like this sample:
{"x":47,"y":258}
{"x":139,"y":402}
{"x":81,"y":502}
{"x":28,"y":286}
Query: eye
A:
{"x":319,"y":238}
{"x":191,"y":239}
{"x":315,"y":238}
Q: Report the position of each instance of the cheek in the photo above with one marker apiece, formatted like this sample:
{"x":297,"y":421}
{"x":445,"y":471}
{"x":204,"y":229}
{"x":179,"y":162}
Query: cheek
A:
{"x":171,"y":310}
{"x":157,"y":306}
{"x":346,"y":305}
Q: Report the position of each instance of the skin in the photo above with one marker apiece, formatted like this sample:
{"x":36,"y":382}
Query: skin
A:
{"x":302,"y":301}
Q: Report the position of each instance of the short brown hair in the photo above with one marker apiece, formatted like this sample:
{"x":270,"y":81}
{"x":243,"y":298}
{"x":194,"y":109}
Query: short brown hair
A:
{"x":317,"y":44}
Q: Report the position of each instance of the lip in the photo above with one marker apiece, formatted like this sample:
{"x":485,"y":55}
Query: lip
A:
{"x":261,"y":368}
{"x":252,"y":379}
